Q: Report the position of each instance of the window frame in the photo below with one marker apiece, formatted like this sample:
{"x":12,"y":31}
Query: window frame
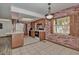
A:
{"x":55,"y":25}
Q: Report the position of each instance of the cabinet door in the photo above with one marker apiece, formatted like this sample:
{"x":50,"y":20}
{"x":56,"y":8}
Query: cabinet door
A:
{"x":33,"y":33}
{"x":17,"y":40}
{"x":42,"y":35}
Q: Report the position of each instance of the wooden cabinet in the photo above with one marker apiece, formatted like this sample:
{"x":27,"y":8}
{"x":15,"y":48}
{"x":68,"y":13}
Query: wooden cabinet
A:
{"x":33,"y":33}
{"x":34,"y":24}
{"x":17,"y":40}
{"x":42,"y":36}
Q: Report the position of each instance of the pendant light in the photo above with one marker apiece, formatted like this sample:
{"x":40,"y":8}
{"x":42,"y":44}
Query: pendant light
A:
{"x":49,"y":16}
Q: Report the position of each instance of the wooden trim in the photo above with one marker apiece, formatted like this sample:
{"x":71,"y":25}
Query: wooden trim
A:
{"x":74,"y":25}
{"x":62,"y":16}
{"x":51,"y":27}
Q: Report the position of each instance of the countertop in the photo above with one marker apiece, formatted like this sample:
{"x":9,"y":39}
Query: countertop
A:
{"x":8,"y":34}
{"x":4,"y":35}
{"x":14,"y":33}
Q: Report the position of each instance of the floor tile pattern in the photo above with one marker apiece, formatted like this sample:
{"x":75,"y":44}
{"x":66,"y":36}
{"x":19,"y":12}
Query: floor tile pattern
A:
{"x":44,"y":48}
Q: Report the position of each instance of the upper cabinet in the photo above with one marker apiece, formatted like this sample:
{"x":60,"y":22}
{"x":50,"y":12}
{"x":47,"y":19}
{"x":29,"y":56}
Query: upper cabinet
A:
{"x":38,"y":24}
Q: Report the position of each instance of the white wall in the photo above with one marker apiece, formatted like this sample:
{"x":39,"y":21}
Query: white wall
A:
{"x":19,"y":27}
{"x":7,"y":26}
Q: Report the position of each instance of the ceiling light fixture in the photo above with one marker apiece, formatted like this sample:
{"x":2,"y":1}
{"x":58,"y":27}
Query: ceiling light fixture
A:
{"x":49,"y":16}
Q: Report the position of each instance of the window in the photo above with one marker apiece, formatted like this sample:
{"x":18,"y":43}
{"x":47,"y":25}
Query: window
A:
{"x":62,"y":25}
{"x":0,"y":25}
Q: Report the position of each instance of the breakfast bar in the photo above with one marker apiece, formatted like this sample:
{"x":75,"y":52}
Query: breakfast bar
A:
{"x":17,"y":39}
{"x":9,"y":41}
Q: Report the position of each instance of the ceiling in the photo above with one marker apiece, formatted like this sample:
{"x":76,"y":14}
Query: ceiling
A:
{"x":39,"y":8}
{"x":5,"y":10}
{"x":42,"y":8}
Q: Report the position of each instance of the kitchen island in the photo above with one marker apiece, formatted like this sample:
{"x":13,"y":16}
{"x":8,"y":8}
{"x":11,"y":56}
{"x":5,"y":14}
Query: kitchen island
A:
{"x":9,"y":41}
{"x":17,"y":39}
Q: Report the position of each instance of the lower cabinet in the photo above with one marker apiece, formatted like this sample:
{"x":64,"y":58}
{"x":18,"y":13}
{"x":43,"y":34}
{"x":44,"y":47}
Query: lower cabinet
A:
{"x":40,"y":34}
{"x":33,"y":34}
{"x":17,"y":40}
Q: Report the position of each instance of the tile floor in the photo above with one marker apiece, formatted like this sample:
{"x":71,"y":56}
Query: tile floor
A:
{"x":30,"y":40}
{"x":44,"y":48}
